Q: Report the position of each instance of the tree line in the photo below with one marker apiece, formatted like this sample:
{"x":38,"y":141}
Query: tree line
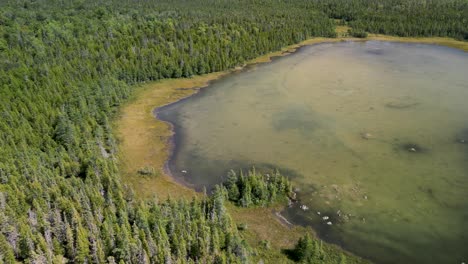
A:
{"x":404,"y":18}
{"x":256,"y":189}
{"x":66,"y":66}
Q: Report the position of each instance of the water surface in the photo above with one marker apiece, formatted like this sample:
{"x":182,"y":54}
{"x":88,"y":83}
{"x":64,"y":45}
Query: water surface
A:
{"x":374,"y":134}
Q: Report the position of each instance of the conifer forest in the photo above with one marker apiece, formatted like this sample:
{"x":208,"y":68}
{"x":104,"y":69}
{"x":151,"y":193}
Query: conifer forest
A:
{"x":67,"y":66}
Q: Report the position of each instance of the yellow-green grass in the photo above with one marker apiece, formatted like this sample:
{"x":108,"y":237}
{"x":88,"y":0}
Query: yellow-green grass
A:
{"x":263,"y":225}
{"x":342,"y":31}
{"x":144,"y":142}
{"x":449,"y":42}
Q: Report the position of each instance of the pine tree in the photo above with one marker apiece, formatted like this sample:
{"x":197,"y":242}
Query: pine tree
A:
{"x":6,"y":252}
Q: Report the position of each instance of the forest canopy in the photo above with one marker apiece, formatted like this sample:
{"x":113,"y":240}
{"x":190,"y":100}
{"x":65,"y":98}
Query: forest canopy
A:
{"x":66,"y":66}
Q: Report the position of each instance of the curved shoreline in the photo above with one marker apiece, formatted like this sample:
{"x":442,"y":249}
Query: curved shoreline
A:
{"x":285,"y":52}
{"x":178,"y":90}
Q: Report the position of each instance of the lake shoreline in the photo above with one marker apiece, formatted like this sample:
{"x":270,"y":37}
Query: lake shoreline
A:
{"x":171,"y":143}
{"x":192,"y":86}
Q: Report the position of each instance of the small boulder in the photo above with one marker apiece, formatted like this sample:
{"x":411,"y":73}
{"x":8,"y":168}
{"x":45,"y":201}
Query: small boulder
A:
{"x":366,"y":135}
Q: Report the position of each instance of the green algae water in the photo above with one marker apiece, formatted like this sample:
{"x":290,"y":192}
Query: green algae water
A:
{"x":373,"y":134}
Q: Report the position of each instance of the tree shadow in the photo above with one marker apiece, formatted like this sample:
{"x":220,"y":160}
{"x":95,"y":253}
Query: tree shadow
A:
{"x":290,"y":253}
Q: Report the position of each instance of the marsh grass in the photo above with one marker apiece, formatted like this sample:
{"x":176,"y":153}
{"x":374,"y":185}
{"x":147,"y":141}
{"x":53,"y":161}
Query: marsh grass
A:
{"x":145,"y":141}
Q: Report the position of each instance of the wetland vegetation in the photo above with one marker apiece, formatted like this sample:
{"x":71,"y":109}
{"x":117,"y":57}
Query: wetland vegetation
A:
{"x":69,"y":68}
{"x":366,"y":130}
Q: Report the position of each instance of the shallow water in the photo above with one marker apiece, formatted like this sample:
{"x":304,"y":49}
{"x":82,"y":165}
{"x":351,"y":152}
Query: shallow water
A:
{"x":374,"y":134}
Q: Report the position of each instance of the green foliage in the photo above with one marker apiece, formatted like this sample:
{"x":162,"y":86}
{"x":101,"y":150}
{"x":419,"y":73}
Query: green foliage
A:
{"x":416,"y":18}
{"x":256,"y":189}
{"x":147,"y":171}
{"x":308,"y":250}
{"x":357,"y":33}
{"x":242,"y":226}
{"x":265,"y":244}
{"x":65,"y":67}
{"x":7,"y":254}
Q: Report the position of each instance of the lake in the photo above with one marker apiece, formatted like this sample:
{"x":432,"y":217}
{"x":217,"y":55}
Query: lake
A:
{"x":374,"y":135}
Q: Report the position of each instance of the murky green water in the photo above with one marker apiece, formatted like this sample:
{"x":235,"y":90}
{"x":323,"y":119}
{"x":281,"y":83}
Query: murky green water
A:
{"x":374,"y":134}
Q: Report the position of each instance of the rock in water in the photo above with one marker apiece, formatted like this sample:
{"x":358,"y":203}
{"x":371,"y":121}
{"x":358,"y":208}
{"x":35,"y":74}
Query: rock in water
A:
{"x":413,"y":148}
{"x":366,"y":135}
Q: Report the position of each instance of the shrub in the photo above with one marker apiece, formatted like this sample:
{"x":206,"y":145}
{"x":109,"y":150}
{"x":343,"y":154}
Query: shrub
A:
{"x":146,"y":171}
{"x":357,"y":33}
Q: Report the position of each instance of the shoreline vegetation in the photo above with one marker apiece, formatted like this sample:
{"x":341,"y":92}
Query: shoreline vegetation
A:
{"x":144,"y":141}
{"x":150,"y":146}
{"x":68,"y":69}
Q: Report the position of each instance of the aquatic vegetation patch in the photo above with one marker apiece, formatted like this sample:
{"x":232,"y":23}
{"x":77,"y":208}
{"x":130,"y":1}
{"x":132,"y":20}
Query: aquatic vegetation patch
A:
{"x":402,"y":103}
{"x":300,"y":118}
{"x":353,"y":161}
{"x":462,"y":138}
{"x":375,"y":51}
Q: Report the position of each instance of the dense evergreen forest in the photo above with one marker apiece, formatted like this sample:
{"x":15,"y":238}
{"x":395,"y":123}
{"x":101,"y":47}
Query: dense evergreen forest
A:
{"x":66,"y":66}
{"x":404,"y":18}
